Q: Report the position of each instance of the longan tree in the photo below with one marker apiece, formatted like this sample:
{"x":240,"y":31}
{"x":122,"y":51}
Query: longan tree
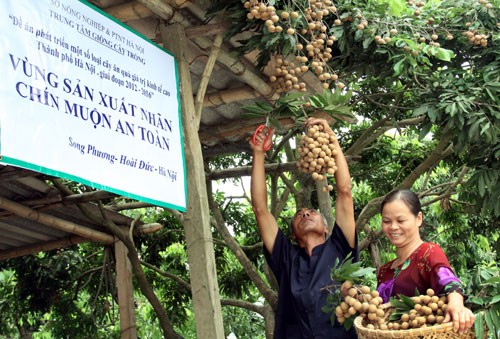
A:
{"x":435,"y":62}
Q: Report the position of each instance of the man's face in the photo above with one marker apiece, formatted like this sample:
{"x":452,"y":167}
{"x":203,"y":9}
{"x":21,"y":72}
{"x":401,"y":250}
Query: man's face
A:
{"x":308,"y":221}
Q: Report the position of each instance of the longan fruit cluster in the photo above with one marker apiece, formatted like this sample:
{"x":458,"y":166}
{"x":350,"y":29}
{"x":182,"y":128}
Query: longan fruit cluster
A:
{"x":317,"y":47}
{"x":260,"y":10}
{"x":360,"y":300}
{"x":428,"y":310}
{"x":382,"y":41}
{"x":476,"y":39}
{"x":317,"y":150}
{"x":313,"y":50}
{"x":285,"y":77}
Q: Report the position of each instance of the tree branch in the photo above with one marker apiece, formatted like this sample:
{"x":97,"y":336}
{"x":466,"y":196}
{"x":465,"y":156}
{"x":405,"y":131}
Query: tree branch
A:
{"x":244,"y":304}
{"x":376,"y":130}
{"x":182,"y":283}
{"x":219,"y":223}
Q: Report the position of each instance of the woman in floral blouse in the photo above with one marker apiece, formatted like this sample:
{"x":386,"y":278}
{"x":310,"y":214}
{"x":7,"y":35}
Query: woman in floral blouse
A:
{"x":419,"y":265}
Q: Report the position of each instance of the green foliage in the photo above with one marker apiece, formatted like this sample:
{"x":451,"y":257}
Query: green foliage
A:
{"x":166,"y":250}
{"x":8,"y":305}
{"x":347,"y":270}
{"x":241,"y":323}
{"x":362,"y":192}
{"x":69,"y":320}
{"x":43,"y":296}
{"x":300,"y":106}
{"x":486,"y":303}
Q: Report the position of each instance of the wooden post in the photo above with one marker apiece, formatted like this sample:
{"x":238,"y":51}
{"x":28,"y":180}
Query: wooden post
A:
{"x":125,"y":290}
{"x":204,"y":285}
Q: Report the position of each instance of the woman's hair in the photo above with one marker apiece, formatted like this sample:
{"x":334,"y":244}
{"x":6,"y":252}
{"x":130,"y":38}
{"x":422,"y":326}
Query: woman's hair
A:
{"x":408,"y":197}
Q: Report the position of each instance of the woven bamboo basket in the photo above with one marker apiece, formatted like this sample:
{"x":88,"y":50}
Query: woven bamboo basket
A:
{"x":430,"y":332}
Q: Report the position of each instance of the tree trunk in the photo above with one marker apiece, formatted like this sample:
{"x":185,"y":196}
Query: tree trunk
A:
{"x":269,"y":319}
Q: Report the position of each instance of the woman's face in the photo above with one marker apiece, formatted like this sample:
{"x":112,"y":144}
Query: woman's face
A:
{"x":399,"y":224}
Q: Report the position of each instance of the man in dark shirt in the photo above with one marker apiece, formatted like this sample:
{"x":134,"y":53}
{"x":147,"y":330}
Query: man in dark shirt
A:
{"x":302,"y":270}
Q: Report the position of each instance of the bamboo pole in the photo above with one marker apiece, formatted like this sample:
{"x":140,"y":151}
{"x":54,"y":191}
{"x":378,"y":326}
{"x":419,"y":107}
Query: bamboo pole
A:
{"x":87,"y":196}
{"x":165,"y":11}
{"x":247,"y":171}
{"x":136,"y":10}
{"x":42,"y":247}
{"x":244,"y":127}
{"x":21,"y":233}
{"x":147,"y":228}
{"x":10,"y":172}
{"x":60,"y":224}
{"x":129,"y":11}
{"x":205,"y":78}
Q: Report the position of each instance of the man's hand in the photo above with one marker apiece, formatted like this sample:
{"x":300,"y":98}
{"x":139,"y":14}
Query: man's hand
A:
{"x":259,"y":139}
{"x":319,"y":121}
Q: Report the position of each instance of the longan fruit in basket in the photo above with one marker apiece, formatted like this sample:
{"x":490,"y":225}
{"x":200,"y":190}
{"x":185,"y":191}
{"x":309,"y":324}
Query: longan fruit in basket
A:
{"x":419,"y":311}
{"x":428,"y":310}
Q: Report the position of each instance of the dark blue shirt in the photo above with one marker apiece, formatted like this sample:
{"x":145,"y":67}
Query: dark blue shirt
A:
{"x":301,"y":278}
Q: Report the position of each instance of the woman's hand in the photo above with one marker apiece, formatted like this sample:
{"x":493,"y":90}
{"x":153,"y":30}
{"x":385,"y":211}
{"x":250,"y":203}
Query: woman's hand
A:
{"x":462,"y":317}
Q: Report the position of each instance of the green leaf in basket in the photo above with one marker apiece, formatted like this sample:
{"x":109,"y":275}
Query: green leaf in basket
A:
{"x":362,"y":272}
{"x":395,"y":316}
{"x":407,"y":300}
{"x":348,"y":323}
{"x":399,"y":305}
{"x":478,"y":325}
